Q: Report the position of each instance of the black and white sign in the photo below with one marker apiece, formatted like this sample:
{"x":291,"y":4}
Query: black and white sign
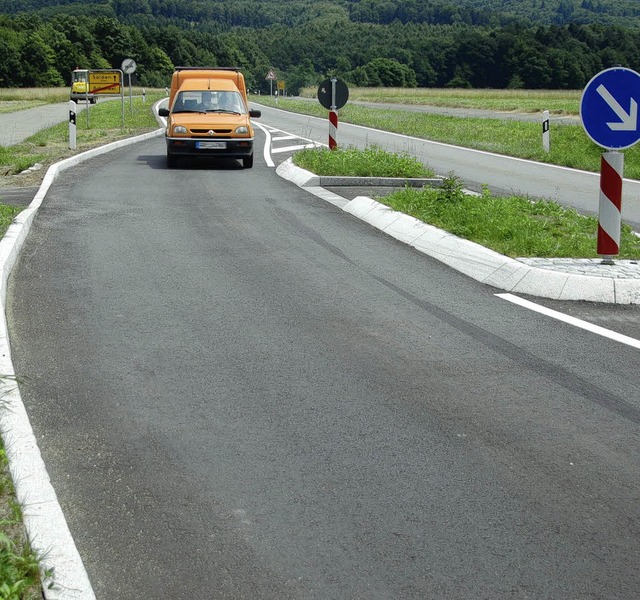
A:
{"x":129,"y":66}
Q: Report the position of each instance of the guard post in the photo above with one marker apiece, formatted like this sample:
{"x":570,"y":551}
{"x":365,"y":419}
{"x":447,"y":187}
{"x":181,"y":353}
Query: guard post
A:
{"x":545,"y":131}
{"x":333,"y":95}
{"x":609,"y":114}
{"x":72,"y":125}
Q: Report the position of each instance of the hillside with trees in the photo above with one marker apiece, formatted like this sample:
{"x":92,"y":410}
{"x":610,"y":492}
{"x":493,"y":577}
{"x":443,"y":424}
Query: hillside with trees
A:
{"x":554,"y":44}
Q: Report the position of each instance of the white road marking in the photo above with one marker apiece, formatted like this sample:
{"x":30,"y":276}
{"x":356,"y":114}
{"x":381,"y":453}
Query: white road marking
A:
{"x":292,"y":148}
{"x":266,"y":151}
{"x":554,"y":314}
{"x":270,"y":137}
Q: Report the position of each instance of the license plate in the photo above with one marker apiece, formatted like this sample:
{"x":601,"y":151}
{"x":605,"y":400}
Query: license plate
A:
{"x":211,"y":145}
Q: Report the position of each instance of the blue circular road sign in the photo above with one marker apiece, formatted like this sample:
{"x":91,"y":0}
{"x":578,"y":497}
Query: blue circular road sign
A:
{"x":609,"y":108}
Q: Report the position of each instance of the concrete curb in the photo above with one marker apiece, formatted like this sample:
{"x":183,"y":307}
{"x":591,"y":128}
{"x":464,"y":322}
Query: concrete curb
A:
{"x":474,"y":260}
{"x":44,"y":520}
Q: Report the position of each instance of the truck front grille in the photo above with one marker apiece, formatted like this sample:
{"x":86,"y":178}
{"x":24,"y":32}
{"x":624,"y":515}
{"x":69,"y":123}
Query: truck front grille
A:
{"x":216,"y":131}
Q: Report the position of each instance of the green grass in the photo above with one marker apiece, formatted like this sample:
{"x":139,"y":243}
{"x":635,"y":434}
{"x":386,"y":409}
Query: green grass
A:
{"x":561,"y":102}
{"x":570,"y":146}
{"x":19,"y":567}
{"x":370,"y":162}
{"x":513,"y":226}
{"x":7,"y":214}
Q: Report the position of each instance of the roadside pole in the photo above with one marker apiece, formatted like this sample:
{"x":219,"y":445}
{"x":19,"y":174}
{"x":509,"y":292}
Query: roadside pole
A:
{"x":609,"y":220}
{"x":545,"y":131}
{"x":271,"y":76}
{"x":609,"y":114}
{"x":72,"y":125}
{"x":128,"y":67}
{"x":333,"y":118}
{"x":333,"y":95}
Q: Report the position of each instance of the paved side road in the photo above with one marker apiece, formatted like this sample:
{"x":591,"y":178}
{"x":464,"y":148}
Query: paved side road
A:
{"x":18,"y":126}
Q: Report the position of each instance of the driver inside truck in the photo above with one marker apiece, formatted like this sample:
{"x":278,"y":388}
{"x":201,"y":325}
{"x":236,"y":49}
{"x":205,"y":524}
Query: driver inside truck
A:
{"x":209,"y":101}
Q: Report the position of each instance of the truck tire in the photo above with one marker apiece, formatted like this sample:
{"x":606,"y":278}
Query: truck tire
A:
{"x":172,"y":161}
{"x":247,"y":162}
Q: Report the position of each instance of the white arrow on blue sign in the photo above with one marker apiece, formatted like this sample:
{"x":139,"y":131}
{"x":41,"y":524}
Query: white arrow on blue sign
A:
{"x":609,"y":108}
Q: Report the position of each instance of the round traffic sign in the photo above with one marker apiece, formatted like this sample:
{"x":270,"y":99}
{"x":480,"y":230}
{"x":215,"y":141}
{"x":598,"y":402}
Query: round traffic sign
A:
{"x":326,"y":96}
{"x":129,"y":66}
{"x":609,"y":108}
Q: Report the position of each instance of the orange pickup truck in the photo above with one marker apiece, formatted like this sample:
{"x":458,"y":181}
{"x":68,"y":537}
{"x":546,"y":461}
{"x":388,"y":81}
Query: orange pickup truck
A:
{"x":209,"y":115}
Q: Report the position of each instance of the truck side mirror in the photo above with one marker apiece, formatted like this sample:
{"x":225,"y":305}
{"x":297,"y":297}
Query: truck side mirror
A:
{"x":254,"y":114}
{"x":163,"y":112}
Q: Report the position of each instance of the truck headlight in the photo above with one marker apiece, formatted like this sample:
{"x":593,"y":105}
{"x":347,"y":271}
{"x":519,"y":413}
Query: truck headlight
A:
{"x":179,"y":129}
{"x":242,"y":129}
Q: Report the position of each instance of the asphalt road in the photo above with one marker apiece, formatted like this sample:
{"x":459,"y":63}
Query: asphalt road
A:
{"x":242,"y":392}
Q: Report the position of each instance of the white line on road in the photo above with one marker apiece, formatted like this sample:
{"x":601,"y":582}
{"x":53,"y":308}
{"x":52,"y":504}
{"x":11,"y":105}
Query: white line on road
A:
{"x":612,"y":335}
{"x":266,"y":151}
{"x":293,"y":148}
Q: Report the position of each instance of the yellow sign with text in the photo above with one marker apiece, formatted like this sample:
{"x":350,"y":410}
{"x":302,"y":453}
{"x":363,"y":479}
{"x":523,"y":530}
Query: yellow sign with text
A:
{"x":105,"y":82}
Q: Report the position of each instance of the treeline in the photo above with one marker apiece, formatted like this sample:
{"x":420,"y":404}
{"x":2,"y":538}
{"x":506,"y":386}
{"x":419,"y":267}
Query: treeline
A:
{"x":42,"y":51}
{"x":265,"y":13}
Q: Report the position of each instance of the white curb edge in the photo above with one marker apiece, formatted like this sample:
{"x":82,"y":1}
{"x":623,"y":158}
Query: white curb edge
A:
{"x":474,"y":260}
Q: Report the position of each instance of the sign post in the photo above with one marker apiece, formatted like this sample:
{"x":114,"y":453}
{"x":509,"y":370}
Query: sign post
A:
{"x":271,"y":76}
{"x":128,"y":67}
{"x":333,"y":95}
{"x":609,"y":114}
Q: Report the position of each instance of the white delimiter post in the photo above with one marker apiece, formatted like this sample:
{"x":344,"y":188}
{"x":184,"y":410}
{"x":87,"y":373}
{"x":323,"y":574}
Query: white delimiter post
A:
{"x":545,"y":131}
{"x":72,"y":125}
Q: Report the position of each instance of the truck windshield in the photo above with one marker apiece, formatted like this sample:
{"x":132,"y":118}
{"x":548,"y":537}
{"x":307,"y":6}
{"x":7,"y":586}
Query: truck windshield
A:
{"x":209,"y":101}
{"x":79,"y":77}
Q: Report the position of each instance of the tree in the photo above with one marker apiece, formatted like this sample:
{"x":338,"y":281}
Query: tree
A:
{"x":38,"y":63}
{"x":389,"y":73}
{"x":10,"y":66}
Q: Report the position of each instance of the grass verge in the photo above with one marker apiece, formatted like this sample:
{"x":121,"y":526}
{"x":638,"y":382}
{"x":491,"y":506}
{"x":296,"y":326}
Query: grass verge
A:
{"x":370,"y":162}
{"x":19,"y":567}
{"x":514,"y":226}
{"x":559,"y":102}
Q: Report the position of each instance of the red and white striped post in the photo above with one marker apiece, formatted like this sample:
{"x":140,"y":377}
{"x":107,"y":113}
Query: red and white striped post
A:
{"x":333,"y":130}
{"x":333,"y":117}
{"x":609,"y":215}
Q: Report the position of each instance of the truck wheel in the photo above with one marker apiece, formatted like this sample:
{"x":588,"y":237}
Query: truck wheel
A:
{"x":172,"y":161}
{"x":247,"y":162}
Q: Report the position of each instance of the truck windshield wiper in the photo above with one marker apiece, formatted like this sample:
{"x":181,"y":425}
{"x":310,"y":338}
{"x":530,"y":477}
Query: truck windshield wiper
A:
{"x":222,"y":110}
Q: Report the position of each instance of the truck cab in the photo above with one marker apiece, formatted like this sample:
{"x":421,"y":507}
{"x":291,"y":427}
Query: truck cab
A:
{"x":208,"y":116}
{"x":80,"y":86}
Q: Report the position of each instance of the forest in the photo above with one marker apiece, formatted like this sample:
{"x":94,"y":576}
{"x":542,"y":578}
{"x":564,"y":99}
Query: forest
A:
{"x":535,"y":44}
